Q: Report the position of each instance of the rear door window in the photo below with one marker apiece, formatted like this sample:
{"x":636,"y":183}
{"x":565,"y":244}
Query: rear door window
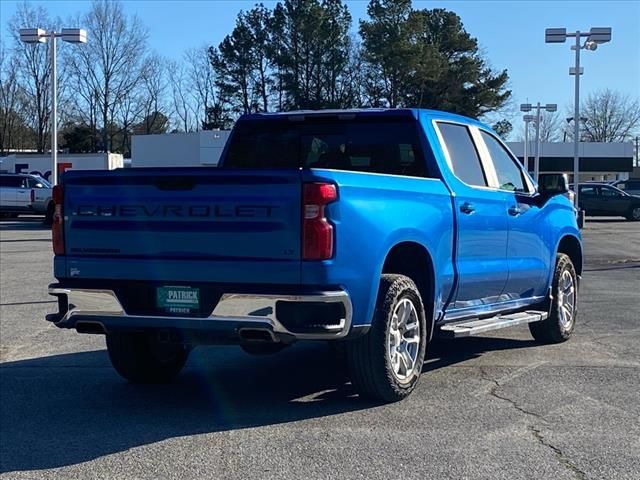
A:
{"x":465,"y":160}
{"x":380,"y":146}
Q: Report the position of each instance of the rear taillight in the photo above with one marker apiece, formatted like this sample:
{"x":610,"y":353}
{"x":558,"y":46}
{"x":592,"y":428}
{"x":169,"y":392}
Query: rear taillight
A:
{"x":57,"y":228}
{"x":317,"y":232}
{"x":33,"y":196}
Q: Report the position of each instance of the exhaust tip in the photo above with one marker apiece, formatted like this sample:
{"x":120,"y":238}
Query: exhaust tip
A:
{"x":257,"y":335}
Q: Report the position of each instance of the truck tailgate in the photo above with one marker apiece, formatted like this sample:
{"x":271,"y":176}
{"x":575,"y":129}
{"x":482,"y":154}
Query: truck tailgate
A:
{"x":183,"y":213}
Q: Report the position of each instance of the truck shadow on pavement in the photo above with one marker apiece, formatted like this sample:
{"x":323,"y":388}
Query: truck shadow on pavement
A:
{"x":30,"y":224}
{"x":67,"y":409}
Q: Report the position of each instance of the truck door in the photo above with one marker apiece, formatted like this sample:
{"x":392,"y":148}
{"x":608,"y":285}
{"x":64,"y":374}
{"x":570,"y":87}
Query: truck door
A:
{"x":589,"y":200}
{"x":528,"y":262}
{"x":8,"y":190}
{"x":482,"y":227}
{"x":23,"y":195}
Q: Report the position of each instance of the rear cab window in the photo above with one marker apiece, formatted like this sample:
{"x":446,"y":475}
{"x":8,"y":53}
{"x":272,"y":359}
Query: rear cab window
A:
{"x":462,"y":152}
{"x":375,"y":145}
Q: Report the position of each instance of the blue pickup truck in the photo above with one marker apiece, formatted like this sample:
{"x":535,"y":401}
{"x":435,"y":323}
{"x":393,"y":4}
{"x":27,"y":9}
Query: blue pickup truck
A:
{"x":374,"y":229}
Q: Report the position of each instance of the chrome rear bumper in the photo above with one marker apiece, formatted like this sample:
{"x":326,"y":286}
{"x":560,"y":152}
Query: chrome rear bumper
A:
{"x":233,"y":312}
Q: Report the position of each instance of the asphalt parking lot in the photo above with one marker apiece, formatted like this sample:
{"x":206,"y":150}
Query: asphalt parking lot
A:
{"x":493,"y":407}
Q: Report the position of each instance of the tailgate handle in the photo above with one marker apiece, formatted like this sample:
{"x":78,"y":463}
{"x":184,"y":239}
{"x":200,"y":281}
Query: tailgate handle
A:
{"x":175,"y":183}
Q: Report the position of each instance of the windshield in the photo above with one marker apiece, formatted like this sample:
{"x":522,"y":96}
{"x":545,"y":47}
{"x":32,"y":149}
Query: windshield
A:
{"x":390,"y":147}
{"x":42,"y":181}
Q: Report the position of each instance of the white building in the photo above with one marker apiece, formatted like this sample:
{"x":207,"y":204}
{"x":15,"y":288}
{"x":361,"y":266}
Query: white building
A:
{"x":40,"y":164}
{"x":194,"y":149}
{"x":598,"y":161}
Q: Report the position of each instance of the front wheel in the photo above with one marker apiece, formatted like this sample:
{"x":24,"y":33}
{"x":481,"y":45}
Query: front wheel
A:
{"x":385,"y":364}
{"x":140,"y":358}
{"x":559,"y":326}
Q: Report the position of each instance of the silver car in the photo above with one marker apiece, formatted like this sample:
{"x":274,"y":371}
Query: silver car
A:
{"x":22,"y":193}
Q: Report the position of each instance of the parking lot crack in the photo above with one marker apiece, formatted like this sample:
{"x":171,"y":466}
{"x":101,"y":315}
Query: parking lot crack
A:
{"x":493,"y":391}
{"x":562,"y":459}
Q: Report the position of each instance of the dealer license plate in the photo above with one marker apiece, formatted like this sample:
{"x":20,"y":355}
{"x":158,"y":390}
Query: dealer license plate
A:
{"x":178,"y":300}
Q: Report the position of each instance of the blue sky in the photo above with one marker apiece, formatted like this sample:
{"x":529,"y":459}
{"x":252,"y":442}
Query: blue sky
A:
{"x":511,"y":34}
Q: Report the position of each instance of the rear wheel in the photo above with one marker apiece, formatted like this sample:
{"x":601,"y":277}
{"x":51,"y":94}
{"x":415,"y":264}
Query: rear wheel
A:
{"x":559,"y":326}
{"x":385,"y":364}
{"x":141,"y":358}
{"x":634,"y":213}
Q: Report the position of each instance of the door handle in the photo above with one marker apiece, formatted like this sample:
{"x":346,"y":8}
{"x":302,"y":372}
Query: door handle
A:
{"x":514,"y":211}
{"x":467,"y":208}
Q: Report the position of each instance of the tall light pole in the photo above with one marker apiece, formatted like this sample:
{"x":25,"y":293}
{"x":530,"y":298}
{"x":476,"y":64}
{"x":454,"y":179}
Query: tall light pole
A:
{"x":527,"y":119}
{"x":527,"y":107}
{"x":595,"y":36}
{"x":38,"y":35}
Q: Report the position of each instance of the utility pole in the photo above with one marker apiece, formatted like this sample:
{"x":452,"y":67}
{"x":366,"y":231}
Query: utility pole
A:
{"x":595,"y":37}
{"x":38,"y":35}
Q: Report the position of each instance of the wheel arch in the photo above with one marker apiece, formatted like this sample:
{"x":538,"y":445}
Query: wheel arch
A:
{"x":414,"y":260}
{"x":571,"y":246}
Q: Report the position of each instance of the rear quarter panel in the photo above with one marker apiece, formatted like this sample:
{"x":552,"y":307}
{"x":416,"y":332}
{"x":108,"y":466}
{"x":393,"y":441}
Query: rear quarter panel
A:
{"x":375,"y":212}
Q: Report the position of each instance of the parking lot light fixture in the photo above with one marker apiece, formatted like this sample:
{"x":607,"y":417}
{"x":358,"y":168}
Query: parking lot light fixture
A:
{"x":38,"y":35}
{"x":593,"y":38}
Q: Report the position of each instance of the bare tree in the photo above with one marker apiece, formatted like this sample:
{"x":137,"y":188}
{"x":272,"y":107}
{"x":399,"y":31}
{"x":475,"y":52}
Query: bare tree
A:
{"x":201,"y":82}
{"x":11,"y":103}
{"x":128,"y":111}
{"x":152,"y":95}
{"x":611,"y":116}
{"x":110,"y":64}
{"x":551,"y":127}
{"x":34,"y":70}
{"x":607,"y":116}
{"x":184,"y":109}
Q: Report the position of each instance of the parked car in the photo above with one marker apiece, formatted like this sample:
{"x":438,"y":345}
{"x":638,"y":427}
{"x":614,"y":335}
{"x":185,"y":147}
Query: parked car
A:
{"x":631,"y":186}
{"x":370,"y":228}
{"x":22,"y":193}
{"x":600,"y":199}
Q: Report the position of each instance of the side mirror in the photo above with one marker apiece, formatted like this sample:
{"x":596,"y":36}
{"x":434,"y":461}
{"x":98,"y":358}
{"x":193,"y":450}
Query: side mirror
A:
{"x":553,"y":184}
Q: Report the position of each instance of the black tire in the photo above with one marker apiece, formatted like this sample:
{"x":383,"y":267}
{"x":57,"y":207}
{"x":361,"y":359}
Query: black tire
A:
{"x":368,"y":357}
{"x":559,"y":326}
{"x":140,"y":358}
{"x":48,"y":217}
{"x":634,"y":213}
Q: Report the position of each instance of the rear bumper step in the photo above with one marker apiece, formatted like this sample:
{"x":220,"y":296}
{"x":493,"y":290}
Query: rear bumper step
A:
{"x":469,"y":328}
{"x":100,"y":311}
